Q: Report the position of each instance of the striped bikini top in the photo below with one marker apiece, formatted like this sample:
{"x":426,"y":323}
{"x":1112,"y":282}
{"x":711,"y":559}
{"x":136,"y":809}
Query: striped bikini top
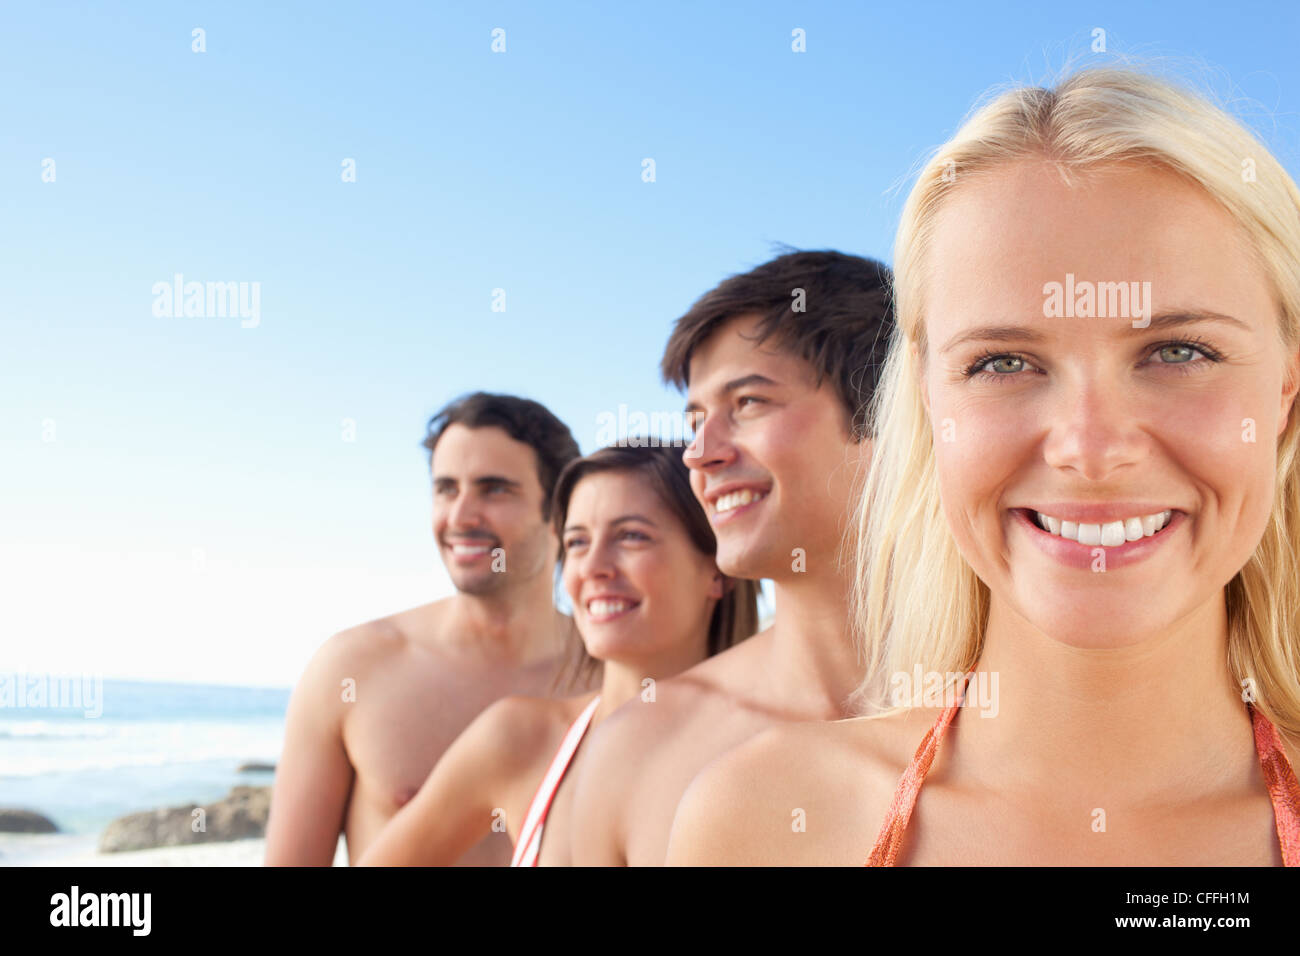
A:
{"x":1283,"y":788}
{"x":530,"y":834}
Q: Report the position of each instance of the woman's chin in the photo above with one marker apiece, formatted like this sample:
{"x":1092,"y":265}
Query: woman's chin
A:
{"x":1090,"y":621}
{"x":611,"y":646}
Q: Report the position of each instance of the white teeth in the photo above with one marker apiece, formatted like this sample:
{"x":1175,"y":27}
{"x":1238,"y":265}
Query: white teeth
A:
{"x":468,"y":549}
{"x":607,"y":608}
{"x":737,"y":498}
{"x":1111,"y":534}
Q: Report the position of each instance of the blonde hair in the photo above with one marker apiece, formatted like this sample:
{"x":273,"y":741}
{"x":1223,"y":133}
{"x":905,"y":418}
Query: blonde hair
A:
{"x":916,"y":602}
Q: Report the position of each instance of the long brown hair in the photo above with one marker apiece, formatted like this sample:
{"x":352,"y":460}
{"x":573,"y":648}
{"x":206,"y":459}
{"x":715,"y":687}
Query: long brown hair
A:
{"x":735,"y":616}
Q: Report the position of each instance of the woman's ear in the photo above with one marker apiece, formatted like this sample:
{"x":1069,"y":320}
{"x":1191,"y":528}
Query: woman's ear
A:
{"x":720,"y":586}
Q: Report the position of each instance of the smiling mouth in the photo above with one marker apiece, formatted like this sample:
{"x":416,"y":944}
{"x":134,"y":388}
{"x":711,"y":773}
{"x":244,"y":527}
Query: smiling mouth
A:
{"x":736,"y":499}
{"x":1108,"y":534}
{"x":606,"y":609}
{"x":470,"y":550}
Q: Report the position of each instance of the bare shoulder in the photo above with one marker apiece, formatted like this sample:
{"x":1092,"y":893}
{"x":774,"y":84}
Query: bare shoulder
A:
{"x":343,"y":656}
{"x":423,"y":620}
{"x":796,"y":794}
{"x":365,"y":642}
{"x":778,"y":762}
{"x":675,"y":704}
{"x":688,"y":720}
{"x":529,"y":728}
{"x":344,"y":661}
{"x":693,"y":697}
{"x":791,"y":764}
{"x":383,"y":639}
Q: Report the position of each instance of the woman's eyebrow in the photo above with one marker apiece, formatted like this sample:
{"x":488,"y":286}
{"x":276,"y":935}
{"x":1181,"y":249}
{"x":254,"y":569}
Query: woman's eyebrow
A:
{"x":1176,"y":317}
{"x":995,"y":333}
{"x":1170,"y":319}
{"x":622,"y":519}
{"x":633,"y":517}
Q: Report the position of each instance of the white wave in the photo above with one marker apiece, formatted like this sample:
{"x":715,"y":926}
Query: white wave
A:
{"x":34,"y":752}
{"x":52,"y":729}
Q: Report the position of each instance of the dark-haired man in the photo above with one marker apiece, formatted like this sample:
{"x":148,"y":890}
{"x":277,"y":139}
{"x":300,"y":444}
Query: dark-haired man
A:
{"x":780,"y":365}
{"x":379,"y":703}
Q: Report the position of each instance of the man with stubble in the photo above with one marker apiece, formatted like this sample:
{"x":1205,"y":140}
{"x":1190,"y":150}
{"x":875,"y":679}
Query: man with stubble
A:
{"x":379,"y":703}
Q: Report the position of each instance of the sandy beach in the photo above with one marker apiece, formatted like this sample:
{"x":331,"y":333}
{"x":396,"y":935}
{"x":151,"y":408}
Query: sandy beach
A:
{"x":80,"y":851}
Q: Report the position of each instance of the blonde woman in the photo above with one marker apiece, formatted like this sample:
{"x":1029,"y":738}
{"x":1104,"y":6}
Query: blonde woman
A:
{"x":637,"y":554}
{"x":1086,"y":495}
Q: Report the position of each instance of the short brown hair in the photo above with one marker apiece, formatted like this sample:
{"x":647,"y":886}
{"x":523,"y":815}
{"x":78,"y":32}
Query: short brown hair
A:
{"x":523,"y":420}
{"x":735,"y":616}
{"x":843,"y":331}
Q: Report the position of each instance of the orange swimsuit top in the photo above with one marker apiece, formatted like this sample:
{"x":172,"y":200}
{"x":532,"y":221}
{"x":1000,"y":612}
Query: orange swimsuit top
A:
{"x":1283,"y":788}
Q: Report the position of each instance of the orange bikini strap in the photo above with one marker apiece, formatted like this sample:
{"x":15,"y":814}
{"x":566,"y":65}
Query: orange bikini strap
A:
{"x":890,"y":839}
{"x":1279,"y":776}
{"x":1283,"y":788}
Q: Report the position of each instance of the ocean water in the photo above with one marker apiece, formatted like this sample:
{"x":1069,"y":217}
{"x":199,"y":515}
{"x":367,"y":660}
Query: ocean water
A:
{"x":152,"y":745}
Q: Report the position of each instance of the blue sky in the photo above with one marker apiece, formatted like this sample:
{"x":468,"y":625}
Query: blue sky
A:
{"x":177,"y":497}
